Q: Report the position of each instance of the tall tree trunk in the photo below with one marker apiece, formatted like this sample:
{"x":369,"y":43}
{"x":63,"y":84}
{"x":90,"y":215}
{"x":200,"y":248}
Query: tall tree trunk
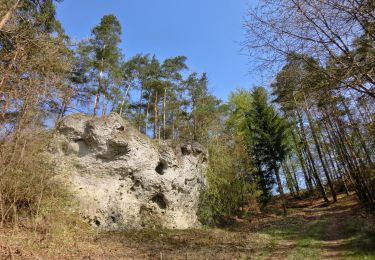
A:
{"x":357,"y":131}
{"x":335,"y":163}
{"x":294,"y":176}
{"x":310,"y":168}
{"x":164,"y":113}
{"x":96,"y":102}
{"x":308,"y":182}
{"x":104,"y":104}
{"x":356,"y":166}
{"x":156,"y":116}
{"x":124,"y":100}
{"x":288,"y":179}
{"x":147,"y":113}
{"x":341,"y":148}
{"x":140,"y":110}
{"x":280,"y":189}
{"x":193,"y":106}
{"x":97,"y":96}
{"x":311,"y":158}
{"x":317,"y":145}
{"x":362,"y":186}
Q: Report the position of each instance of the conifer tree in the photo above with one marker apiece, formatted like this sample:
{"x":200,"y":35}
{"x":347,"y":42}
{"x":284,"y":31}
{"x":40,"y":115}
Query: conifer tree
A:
{"x":268,"y":135}
{"x":103,"y":56}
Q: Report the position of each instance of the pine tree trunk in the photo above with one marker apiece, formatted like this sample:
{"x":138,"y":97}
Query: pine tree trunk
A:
{"x":147,"y":113}
{"x":335,"y":163}
{"x":164,"y":113}
{"x":317,"y":145}
{"x":311,"y":158}
{"x":310,"y":169}
{"x":294,"y":177}
{"x":124,"y":100}
{"x":97,"y":96}
{"x":156,"y":116}
{"x":104,"y":102}
{"x":308,"y":182}
{"x":341,"y":150}
{"x":193,"y":106}
{"x":96,"y":102}
{"x":140,"y":110}
{"x":363,"y":186}
{"x":358,"y":132}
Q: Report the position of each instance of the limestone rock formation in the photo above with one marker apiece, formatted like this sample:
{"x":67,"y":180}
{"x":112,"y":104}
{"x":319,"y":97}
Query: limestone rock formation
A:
{"x":124,"y":180}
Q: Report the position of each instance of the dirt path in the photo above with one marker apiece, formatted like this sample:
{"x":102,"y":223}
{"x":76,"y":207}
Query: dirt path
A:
{"x":332,"y":246}
{"x":283,"y":249}
{"x":324,"y":232}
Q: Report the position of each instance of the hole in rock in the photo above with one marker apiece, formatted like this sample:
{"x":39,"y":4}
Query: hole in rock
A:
{"x":160,"y":201}
{"x":113,"y":219}
{"x":161,"y":168}
{"x":97,"y":223}
{"x":117,"y":149}
{"x":137,"y":183}
{"x":121,"y":128}
{"x":184,"y":150}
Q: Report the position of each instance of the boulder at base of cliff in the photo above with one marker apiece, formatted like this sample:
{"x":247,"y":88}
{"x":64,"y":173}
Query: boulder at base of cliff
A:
{"x":124,"y":180}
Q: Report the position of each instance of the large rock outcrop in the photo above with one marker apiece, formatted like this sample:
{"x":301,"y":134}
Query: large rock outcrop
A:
{"x":124,"y":180}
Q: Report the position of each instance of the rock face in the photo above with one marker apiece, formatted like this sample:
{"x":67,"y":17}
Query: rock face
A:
{"x":122,"y":179}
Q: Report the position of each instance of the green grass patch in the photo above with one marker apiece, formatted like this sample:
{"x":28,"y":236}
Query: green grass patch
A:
{"x":309,"y":241}
{"x":359,"y":239}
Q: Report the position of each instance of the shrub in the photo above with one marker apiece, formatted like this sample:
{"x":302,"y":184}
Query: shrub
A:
{"x":227,"y":192}
{"x":27,"y":186}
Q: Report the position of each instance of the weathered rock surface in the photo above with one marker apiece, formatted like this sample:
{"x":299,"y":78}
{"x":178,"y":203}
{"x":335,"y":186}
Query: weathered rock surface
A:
{"x":122,"y":179}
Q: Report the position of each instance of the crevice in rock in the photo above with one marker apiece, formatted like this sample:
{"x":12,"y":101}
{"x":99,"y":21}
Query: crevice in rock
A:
{"x":161,"y":167}
{"x":118,"y":148}
{"x":137,"y":184}
{"x":97,"y":223}
{"x":185,"y":150}
{"x":160,"y":201}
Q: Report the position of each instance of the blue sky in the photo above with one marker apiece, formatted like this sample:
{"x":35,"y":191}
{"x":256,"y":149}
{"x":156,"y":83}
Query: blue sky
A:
{"x":208,"y":32}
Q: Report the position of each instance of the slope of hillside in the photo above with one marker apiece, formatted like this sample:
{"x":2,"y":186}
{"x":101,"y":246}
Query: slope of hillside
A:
{"x":313,"y":230}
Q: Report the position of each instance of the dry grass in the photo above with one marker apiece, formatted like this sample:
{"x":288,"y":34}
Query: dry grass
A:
{"x":26,"y":179}
{"x":161,"y":244}
{"x":308,"y":232}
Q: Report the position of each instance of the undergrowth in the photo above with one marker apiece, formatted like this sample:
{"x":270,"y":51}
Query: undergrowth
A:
{"x":30,"y":195}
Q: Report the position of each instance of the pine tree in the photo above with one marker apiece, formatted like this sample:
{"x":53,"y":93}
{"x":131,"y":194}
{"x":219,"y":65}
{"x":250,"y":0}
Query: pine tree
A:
{"x":268,"y":135}
{"x":103,"y":58}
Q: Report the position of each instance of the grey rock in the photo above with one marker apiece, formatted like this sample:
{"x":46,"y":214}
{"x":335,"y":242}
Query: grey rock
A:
{"x":124,"y":180}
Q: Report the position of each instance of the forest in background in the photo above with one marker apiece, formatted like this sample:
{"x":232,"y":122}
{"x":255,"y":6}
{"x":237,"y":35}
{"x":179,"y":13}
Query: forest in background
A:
{"x":310,"y":132}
